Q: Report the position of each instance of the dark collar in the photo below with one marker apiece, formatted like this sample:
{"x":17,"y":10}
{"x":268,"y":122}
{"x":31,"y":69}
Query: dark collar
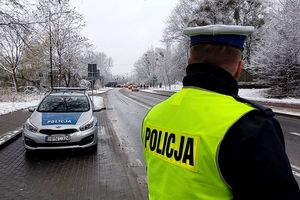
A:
{"x":210,"y":78}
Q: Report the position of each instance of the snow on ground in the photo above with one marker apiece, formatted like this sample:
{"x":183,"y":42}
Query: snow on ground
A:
{"x":175,"y":87}
{"x":26,"y":101}
{"x":32,"y":100}
{"x":254,"y":95}
{"x":7,"y":107}
{"x":259,"y":95}
{"x":99,"y":91}
{"x":10,"y":101}
{"x":251,"y":94}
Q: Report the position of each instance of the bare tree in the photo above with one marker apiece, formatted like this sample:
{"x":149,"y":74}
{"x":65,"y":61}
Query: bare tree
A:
{"x":203,"y":12}
{"x":12,"y":45}
{"x":277,"y":58}
{"x":66,"y":44}
{"x":104,"y":64}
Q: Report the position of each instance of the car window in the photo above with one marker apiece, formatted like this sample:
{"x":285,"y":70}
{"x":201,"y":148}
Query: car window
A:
{"x":64,"y":104}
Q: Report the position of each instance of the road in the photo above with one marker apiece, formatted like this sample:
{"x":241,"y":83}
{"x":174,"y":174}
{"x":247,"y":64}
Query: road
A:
{"x":290,"y":125}
{"x":115,"y":171}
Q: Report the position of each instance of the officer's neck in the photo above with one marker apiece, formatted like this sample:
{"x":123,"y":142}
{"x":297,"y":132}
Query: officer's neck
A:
{"x":210,"y":77}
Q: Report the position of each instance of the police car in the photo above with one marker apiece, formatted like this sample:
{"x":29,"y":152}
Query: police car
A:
{"x":65,"y":118}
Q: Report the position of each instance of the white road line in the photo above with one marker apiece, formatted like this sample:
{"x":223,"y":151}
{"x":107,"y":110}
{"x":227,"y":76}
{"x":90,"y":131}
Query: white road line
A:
{"x":139,"y":163}
{"x":294,"y":133}
{"x":147,"y":107}
{"x":296,"y":170}
{"x":296,"y":174}
{"x":295,"y":167}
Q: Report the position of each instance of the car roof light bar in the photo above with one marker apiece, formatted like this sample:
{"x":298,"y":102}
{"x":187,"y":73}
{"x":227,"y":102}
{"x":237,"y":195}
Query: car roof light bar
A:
{"x":67,"y":89}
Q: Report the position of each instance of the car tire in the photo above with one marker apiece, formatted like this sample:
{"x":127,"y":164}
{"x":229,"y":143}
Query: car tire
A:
{"x":93,"y":148}
{"x":30,"y":153}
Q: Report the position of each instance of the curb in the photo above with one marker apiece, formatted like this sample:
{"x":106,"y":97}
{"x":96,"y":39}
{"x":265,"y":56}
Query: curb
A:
{"x":9,"y":137}
{"x":286,"y":114}
{"x":161,"y":93}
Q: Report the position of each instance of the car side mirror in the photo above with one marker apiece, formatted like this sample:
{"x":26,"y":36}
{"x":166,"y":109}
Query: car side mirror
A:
{"x":98,"y":109}
{"x":98,"y":104}
{"x":31,"y":109}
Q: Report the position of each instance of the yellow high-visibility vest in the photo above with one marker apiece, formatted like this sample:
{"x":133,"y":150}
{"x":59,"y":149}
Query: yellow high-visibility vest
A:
{"x":181,"y":138}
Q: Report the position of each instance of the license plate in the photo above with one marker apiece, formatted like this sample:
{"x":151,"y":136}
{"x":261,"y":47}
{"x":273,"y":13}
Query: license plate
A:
{"x":58,"y":138}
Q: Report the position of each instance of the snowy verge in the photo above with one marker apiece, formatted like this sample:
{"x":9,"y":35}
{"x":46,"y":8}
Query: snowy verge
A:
{"x":27,"y":101}
{"x":99,"y":91}
{"x":251,"y":94}
{"x":7,"y":107}
{"x":288,"y":106}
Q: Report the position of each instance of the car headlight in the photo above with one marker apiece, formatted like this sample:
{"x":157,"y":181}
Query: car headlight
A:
{"x":87,"y":126}
{"x":30,"y":127}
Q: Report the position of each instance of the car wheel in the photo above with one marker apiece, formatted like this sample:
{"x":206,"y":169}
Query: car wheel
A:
{"x":29,"y":153}
{"x":93,"y":148}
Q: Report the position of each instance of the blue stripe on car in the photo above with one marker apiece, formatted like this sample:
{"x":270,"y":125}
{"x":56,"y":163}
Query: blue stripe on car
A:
{"x":60,"y":118}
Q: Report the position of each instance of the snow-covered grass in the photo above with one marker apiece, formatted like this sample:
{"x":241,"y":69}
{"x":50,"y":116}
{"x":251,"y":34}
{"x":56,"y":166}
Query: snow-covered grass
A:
{"x":175,"y":87}
{"x":99,"y":91}
{"x":251,"y":94}
{"x":260,"y":95}
{"x":10,"y":102}
{"x":288,"y":104}
{"x":7,"y":107}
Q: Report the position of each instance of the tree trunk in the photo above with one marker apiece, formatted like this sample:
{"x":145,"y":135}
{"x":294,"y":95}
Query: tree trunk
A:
{"x":67,"y":78}
{"x":15,"y":81}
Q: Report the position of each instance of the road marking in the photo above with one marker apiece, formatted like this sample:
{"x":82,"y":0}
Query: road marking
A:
{"x":147,"y":107}
{"x":294,"y":133}
{"x":142,"y":180}
{"x":296,"y":174}
{"x":136,"y":163}
{"x":101,"y":130}
{"x":139,"y":163}
{"x":294,"y":167}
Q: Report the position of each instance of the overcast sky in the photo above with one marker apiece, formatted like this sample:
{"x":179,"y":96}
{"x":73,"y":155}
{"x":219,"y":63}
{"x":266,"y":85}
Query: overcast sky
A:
{"x":124,"y":29}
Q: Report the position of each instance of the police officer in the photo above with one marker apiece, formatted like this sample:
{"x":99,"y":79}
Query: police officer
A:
{"x":205,"y":142}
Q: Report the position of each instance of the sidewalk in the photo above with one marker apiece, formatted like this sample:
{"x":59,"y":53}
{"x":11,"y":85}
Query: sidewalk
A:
{"x":11,"y":125}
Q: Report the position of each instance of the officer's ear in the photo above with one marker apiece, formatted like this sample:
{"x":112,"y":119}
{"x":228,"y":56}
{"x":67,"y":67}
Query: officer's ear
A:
{"x":190,"y":61}
{"x":238,"y":72}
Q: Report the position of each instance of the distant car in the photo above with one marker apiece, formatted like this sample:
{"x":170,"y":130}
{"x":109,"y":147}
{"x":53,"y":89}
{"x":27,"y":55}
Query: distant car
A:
{"x":64,"y":119}
{"x":134,"y":88}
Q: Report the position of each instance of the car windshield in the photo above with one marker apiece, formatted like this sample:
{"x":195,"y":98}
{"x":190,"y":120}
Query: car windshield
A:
{"x":64,"y":104}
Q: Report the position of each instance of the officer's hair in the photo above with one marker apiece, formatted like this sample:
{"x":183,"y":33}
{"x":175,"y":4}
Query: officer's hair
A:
{"x":219,"y":55}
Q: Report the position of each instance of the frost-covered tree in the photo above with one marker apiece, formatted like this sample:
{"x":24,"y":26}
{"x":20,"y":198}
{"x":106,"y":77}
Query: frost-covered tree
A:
{"x":146,"y":68}
{"x":104,"y":65}
{"x":61,"y":29}
{"x":12,"y":48}
{"x":178,"y":20}
{"x":203,"y":12}
{"x":169,"y":67}
{"x":15,"y":31}
{"x":277,"y":59}
{"x":158,"y":66}
{"x":14,"y":12}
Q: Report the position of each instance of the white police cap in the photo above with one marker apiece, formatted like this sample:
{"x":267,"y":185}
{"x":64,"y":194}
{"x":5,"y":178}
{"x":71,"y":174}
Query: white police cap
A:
{"x":232,"y":35}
